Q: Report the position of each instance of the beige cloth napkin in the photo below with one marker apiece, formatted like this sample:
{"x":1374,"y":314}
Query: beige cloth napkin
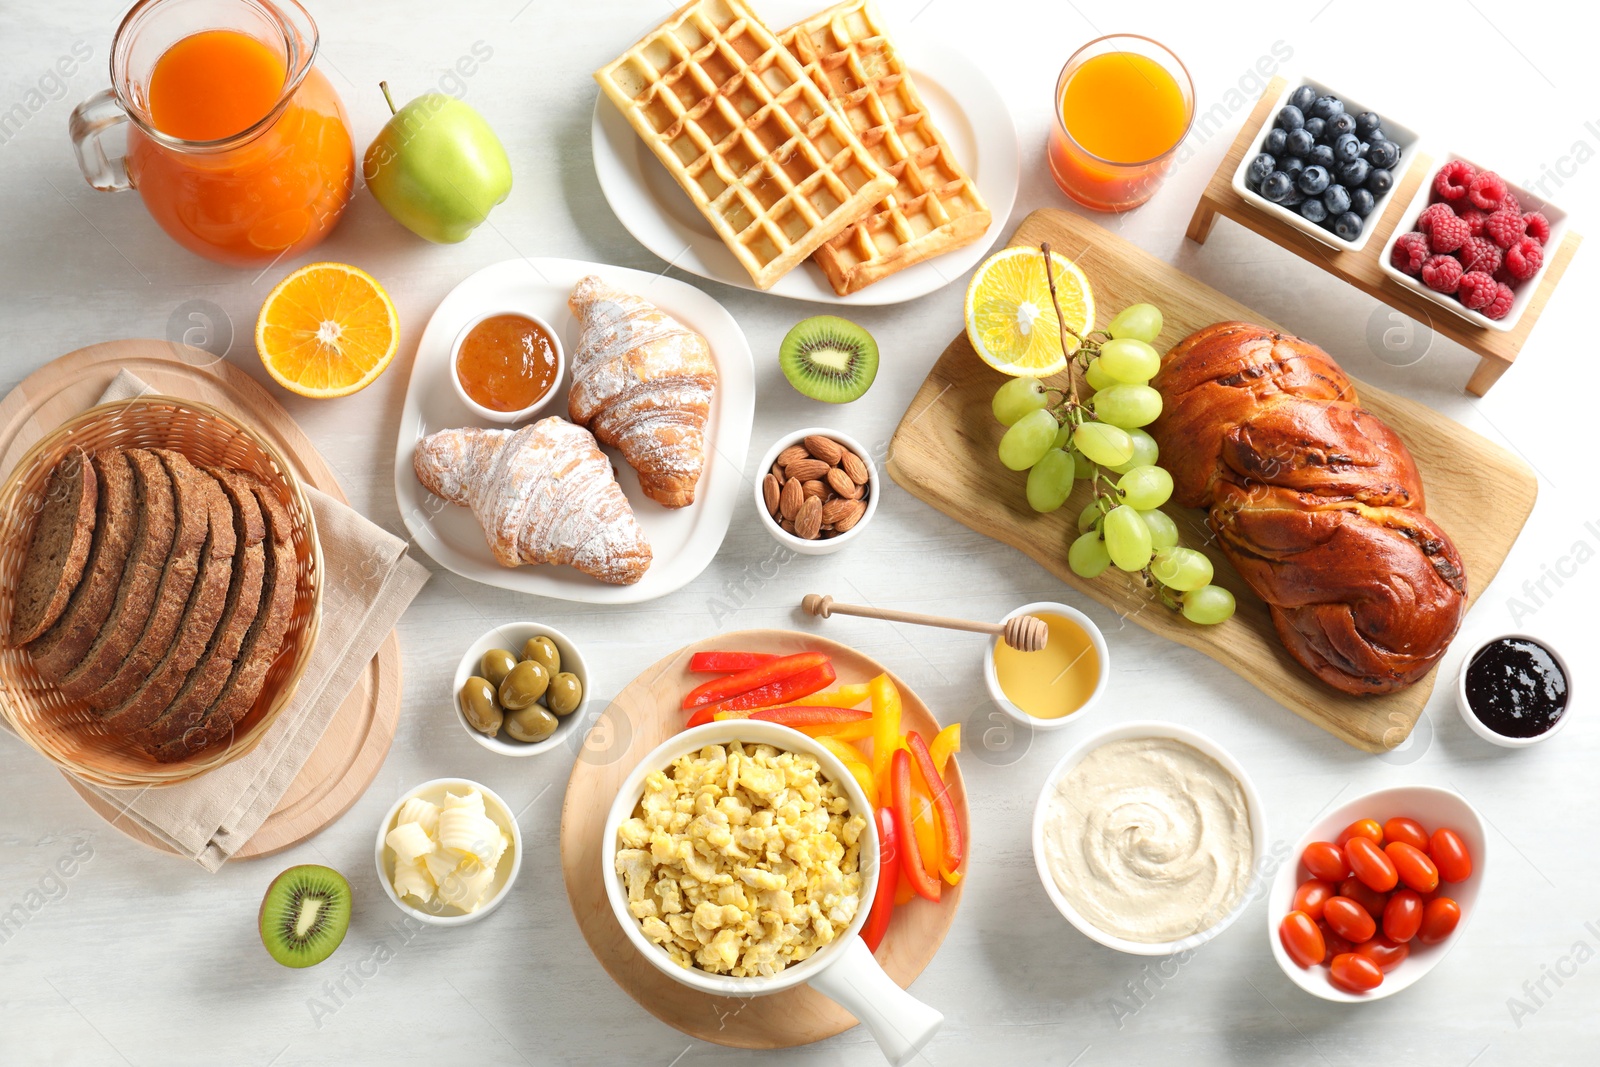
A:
{"x":368,"y":582}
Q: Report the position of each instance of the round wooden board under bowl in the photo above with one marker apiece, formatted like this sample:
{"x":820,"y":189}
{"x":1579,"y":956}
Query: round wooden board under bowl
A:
{"x":357,"y":738}
{"x":644,"y":715}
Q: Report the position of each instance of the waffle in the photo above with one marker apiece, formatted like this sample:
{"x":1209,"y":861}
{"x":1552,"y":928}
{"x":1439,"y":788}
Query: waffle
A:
{"x":731,"y":113}
{"x":934,"y":206}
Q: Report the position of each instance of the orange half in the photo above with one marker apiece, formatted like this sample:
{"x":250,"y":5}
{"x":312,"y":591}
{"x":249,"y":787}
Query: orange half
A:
{"x":327,"y":330}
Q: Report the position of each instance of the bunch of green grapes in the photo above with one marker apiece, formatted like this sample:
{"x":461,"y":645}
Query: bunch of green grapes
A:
{"x":1059,"y":439}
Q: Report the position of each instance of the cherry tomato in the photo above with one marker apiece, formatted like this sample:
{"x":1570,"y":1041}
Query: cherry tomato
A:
{"x":1370,"y":864}
{"x":1449,"y":853}
{"x":1439,"y":918}
{"x":1312,"y":895}
{"x":1355,"y":972}
{"x":1349,"y":919}
{"x":1408,"y":830}
{"x":1413,"y":866}
{"x":1336,"y":944}
{"x":1368,"y":898}
{"x":1367,"y":828}
{"x":1385,"y":953}
{"x":1402,"y":916}
{"x":1301,"y":939}
{"x":1325,"y":860}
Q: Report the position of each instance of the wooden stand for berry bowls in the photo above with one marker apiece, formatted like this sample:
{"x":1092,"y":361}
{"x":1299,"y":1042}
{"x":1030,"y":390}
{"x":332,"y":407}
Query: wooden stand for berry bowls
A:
{"x":944,"y":454}
{"x":1496,"y":350}
{"x":644,"y":715}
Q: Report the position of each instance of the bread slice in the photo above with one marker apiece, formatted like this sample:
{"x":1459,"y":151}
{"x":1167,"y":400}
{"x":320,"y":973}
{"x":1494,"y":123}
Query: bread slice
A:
{"x":141,"y":576}
{"x":262,"y":644}
{"x":205,"y":681}
{"x":118,"y":513}
{"x":191,"y":500}
{"x":63,"y":536}
{"x":207,"y":599}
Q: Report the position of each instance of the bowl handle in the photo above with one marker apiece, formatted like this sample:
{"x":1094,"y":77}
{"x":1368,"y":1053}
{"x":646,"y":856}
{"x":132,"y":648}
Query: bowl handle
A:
{"x":900,"y":1023}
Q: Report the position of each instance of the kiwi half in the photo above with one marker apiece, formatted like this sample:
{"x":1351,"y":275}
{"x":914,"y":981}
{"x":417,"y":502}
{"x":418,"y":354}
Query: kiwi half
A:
{"x":829,"y":358}
{"x":305,"y":914}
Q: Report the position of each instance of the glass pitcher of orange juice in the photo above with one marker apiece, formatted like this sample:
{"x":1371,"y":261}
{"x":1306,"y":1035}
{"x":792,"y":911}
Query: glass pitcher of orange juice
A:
{"x":237,"y":143}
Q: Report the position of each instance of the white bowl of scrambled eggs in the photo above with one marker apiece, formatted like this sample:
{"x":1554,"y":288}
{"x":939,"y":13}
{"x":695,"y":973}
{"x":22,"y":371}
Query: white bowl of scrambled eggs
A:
{"x":734,"y":821}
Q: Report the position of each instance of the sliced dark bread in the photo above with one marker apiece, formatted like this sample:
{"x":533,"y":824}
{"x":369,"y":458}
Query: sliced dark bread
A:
{"x":262,"y":644}
{"x":191,"y":492}
{"x":204,"y":683}
{"x":63,"y":536}
{"x":207,"y":599}
{"x":119,"y":512}
{"x":141,"y":576}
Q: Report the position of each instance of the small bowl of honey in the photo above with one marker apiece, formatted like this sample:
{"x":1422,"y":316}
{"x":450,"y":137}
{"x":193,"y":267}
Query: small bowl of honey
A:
{"x":506,"y":365}
{"x":1058,"y":684}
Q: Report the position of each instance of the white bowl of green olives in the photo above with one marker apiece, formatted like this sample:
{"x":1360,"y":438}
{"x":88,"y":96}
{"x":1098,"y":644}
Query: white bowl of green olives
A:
{"x":519,"y":687}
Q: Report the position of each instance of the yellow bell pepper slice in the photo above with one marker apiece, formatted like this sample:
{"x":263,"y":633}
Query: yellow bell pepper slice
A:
{"x":844,"y":696}
{"x":945,"y":744}
{"x":885,"y":726}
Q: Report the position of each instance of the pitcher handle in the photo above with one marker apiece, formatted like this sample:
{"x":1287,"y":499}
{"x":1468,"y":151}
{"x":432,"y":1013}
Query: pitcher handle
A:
{"x":89,"y":120}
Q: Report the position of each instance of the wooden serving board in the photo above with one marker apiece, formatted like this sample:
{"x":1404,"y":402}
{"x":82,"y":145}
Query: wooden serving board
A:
{"x":944,"y":453}
{"x":644,"y":715}
{"x":358,"y":736}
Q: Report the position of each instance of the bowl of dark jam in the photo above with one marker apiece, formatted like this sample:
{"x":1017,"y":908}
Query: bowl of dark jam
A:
{"x":1514,"y":690}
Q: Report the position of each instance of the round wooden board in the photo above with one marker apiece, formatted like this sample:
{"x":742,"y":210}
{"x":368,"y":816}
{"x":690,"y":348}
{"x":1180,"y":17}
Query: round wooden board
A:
{"x":357,"y":738}
{"x":642,"y":716}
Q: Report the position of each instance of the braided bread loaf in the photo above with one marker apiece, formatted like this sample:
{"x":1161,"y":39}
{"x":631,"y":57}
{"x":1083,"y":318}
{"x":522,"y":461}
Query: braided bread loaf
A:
{"x":1315,"y":501}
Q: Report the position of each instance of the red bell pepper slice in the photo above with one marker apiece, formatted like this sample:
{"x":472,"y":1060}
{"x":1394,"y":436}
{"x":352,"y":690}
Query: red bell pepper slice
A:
{"x":806,"y":716}
{"x":925,"y":884}
{"x":951,"y":846}
{"x":888,"y":877}
{"x":774,"y":693}
{"x":719,"y":689}
{"x":728,"y":662}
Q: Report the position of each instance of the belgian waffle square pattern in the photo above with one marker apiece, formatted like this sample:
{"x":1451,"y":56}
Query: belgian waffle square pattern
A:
{"x":748,"y":135}
{"x":934,"y":206}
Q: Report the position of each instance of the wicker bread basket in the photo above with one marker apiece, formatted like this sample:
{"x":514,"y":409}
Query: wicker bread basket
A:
{"x":69,"y":733}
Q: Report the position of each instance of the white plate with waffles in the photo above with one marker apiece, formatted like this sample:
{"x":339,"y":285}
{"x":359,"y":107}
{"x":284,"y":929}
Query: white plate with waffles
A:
{"x":683,"y":541}
{"x":961,"y":101}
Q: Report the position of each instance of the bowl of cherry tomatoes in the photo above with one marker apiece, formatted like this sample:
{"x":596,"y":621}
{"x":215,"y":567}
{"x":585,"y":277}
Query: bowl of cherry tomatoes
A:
{"x":1377,"y":892}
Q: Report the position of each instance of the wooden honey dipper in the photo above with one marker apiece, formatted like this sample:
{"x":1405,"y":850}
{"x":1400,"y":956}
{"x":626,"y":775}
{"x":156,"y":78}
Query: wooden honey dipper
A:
{"x":1025,"y":633}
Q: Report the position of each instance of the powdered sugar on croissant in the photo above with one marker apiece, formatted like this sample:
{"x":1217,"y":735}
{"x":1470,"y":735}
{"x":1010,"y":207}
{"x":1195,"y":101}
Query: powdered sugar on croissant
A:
{"x":543,"y":494}
{"x":642,"y":381}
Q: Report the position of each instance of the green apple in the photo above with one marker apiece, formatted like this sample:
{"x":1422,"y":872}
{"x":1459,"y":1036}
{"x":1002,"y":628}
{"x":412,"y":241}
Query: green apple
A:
{"x":437,"y":167}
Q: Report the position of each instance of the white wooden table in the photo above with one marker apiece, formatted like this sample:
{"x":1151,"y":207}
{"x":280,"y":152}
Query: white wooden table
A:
{"x":139,"y":958}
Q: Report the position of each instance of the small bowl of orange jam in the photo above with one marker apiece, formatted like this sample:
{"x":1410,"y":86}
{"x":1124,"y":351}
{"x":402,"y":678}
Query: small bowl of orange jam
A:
{"x":506,"y":365}
{"x":1058,"y":684}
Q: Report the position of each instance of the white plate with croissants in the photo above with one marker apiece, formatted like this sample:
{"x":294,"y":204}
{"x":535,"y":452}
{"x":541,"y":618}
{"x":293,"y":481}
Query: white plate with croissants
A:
{"x":622,"y":488}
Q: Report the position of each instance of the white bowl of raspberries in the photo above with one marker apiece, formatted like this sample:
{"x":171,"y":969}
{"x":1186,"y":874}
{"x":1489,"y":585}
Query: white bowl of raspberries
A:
{"x":1474,"y":244}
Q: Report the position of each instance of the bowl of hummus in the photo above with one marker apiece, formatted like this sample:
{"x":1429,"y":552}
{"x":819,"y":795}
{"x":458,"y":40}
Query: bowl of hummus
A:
{"x":1147,"y":838}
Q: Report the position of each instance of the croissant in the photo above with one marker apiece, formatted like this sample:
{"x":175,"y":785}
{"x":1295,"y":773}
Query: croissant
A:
{"x":1317,"y":503}
{"x":642,"y":382}
{"x":543,"y":494}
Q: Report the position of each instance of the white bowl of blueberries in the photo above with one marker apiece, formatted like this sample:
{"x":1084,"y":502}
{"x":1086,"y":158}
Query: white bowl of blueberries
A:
{"x":1326,"y":165}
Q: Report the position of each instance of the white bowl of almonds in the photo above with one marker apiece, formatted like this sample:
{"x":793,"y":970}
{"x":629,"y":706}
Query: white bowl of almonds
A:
{"x":817,"y":489}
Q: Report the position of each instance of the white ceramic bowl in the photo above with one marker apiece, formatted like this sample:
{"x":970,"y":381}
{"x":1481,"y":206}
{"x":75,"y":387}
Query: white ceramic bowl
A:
{"x":1404,"y":136}
{"x":843,"y":970}
{"x":1096,"y":638}
{"x":1433,"y":808}
{"x":505,"y":874}
{"x":821,"y":546}
{"x":511,"y":636}
{"x":524,"y":414}
{"x":1524,"y":292}
{"x":1476,"y":724}
{"x":1126,"y":731}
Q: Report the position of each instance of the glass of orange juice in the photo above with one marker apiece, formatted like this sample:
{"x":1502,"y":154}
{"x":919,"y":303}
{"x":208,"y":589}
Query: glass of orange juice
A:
{"x":1123,"y":105}
{"x":238,"y":145}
